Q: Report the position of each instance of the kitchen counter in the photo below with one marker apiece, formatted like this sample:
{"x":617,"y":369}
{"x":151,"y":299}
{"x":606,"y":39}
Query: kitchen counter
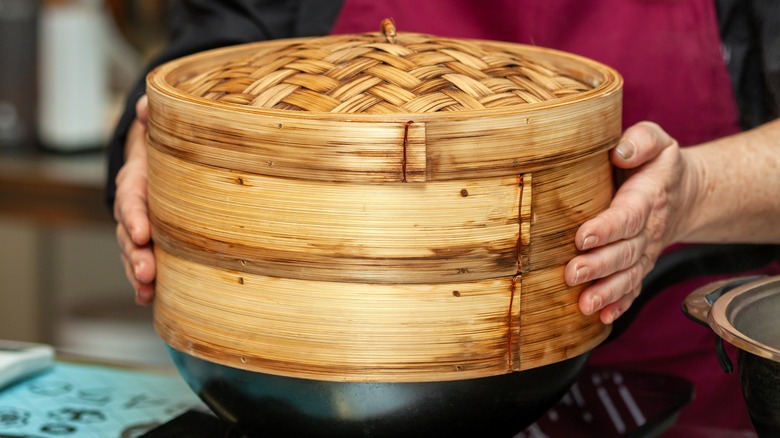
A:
{"x":54,"y":189}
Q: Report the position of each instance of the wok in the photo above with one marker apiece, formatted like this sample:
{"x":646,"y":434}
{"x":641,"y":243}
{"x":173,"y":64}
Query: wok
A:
{"x":268,"y":405}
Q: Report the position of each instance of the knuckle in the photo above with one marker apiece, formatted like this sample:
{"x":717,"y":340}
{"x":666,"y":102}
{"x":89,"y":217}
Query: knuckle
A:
{"x":119,"y":210}
{"x":629,"y":253}
{"x":647,"y":264}
{"x":642,"y":132}
{"x":120,"y":237}
{"x":614,"y":292}
{"x":634,"y":277}
{"x":635,"y":218}
{"x":627,"y":219}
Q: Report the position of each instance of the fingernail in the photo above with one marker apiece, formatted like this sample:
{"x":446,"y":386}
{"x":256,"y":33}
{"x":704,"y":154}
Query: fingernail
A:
{"x":137,"y":269}
{"x":589,"y":242}
{"x":580,"y":274}
{"x":595,"y":304}
{"x":625,"y":150}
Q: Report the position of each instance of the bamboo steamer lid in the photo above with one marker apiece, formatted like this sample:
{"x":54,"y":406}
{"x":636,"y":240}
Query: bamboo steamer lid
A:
{"x":383,"y":207}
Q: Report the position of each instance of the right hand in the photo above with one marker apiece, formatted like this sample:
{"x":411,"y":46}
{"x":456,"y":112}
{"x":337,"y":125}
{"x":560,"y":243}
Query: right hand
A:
{"x":648,"y":213}
{"x":131,"y":211}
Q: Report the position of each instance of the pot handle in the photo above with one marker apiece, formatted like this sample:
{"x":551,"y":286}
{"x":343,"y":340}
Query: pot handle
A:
{"x":697,"y":307}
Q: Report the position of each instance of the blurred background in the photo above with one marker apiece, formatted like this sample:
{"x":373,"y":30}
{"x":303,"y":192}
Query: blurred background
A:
{"x":65,"y":67}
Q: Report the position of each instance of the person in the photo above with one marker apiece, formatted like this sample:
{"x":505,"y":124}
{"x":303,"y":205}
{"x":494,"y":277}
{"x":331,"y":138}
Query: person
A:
{"x":718,"y":188}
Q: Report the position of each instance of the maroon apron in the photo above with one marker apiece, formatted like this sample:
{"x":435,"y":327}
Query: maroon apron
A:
{"x":669,"y":53}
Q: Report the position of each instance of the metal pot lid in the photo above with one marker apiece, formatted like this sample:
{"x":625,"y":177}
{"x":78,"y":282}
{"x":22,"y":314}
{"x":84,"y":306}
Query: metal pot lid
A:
{"x":747,"y":317}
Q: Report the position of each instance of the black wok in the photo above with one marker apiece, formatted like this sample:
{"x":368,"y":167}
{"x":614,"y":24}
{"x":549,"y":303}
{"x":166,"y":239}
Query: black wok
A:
{"x":266,"y":405}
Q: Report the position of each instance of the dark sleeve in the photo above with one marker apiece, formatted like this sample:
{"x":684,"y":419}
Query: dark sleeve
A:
{"x":751,"y":48}
{"x":767,"y":13}
{"x":198,"y":25}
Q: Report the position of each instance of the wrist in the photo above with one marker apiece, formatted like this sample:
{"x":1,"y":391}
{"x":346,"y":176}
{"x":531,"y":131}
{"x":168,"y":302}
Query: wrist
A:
{"x":693,"y":189}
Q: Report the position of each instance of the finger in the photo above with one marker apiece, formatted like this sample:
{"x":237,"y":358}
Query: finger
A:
{"x":132,"y":213}
{"x":142,"y":110}
{"x":613,"y":288}
{"x":130,"y":206}
{"x":139,"y":259}
{"x":613,"y":311}
{"x":605,"y":261}
{"x":123,"y":239}
{"x":144,"y":292}
{"x":140,"y":275}
{"x":129,"y":272}
{"x":624,"y":219}
{"x":136,"y":145}
{"x":144,"y":295}
{"x":639,"y":144}
{"x":142,"y":260}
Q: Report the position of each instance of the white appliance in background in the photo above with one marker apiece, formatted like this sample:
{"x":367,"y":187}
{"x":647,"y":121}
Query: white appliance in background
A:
{"x":73,"y":76}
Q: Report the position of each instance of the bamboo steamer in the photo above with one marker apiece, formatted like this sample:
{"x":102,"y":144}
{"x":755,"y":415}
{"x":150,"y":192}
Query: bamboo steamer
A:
{"x":379,"y":207}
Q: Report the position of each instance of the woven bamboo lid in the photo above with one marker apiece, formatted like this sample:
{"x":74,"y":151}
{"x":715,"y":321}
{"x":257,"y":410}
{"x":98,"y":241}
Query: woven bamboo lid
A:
{"x":376,"y":73}
{"x":436,"y":104}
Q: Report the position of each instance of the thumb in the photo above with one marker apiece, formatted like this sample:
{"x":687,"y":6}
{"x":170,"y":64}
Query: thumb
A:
{"x":142,"y":109}
{"x":640,"y":144}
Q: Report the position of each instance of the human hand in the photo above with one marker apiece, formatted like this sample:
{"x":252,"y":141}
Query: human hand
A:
{"x":624,"y":241}
{"x":131,"y":212}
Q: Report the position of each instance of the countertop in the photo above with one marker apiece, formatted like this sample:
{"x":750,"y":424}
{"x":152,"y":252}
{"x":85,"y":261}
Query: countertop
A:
{"x":54,"y":188}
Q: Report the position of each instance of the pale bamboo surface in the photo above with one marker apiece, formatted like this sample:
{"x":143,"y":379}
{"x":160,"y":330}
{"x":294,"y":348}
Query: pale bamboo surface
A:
{"x":345,"y":208}
{"x":335,"y":331}
{"x":406,"y":233}
{"x":371,"y":332}
{"x":563,"y":198}
{"x":546,"y":329}
{"x":552,"y":328}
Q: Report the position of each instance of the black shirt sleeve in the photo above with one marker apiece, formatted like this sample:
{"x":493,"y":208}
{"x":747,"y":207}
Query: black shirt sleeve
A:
{"x":198,"y":25}
{"x":767,"y":13}
{"x":751,"y":49}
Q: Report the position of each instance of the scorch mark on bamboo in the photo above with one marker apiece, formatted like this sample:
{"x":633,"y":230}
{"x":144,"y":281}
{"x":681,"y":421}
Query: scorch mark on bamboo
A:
{"x":406,"y":143}
{"x":512,"y":290}
{"x":522,"y":241}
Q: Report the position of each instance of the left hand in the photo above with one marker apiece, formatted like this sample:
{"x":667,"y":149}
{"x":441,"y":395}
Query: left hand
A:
{"x":131,"y":211}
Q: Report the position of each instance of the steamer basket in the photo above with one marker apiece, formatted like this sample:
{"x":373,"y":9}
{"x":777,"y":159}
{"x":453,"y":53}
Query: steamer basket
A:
{"x":379,"y":207}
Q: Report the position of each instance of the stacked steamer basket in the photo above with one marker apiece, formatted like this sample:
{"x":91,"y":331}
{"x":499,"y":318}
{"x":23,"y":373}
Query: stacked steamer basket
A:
{"x":378,"y":208}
